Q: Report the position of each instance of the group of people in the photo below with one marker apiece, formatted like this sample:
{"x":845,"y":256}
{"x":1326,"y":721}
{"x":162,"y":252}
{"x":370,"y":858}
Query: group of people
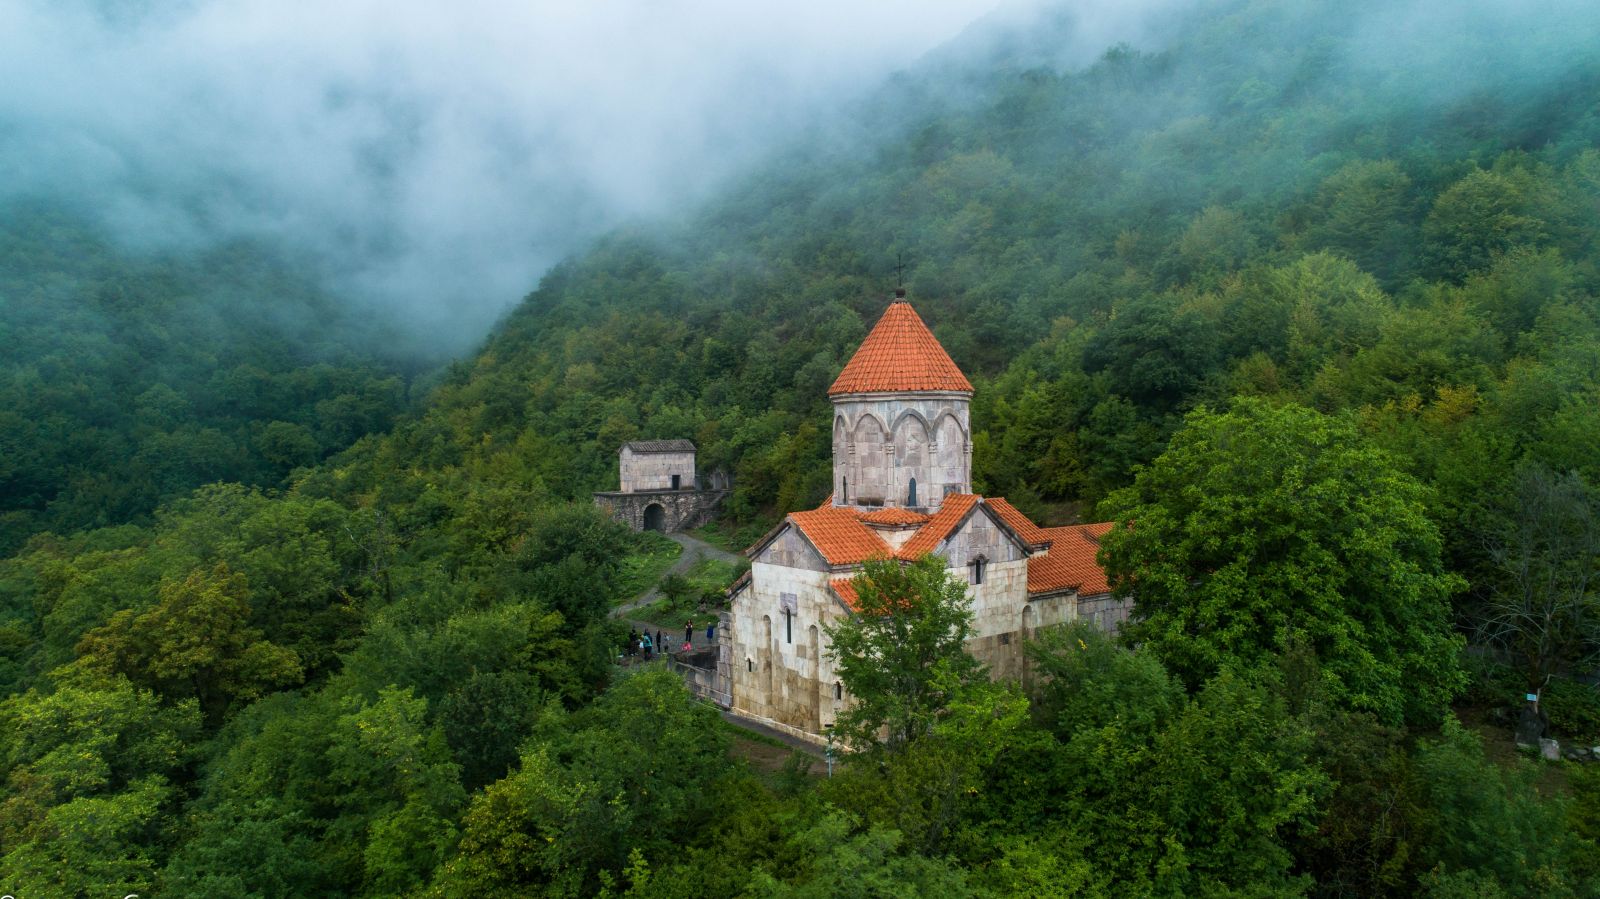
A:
{"x":642,"y":644}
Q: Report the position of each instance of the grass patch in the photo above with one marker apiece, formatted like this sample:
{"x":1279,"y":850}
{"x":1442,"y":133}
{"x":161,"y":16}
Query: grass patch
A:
{"x":696,"y":595}
{"x":653,"y":554}
{"x":753,"y":736}
{"x":730,"y":537}
{"x":711,"y":576}
{"x":669,"y":617}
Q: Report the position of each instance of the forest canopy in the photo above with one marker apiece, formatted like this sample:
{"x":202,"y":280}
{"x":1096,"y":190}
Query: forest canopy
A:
{"x":1305,"y":296}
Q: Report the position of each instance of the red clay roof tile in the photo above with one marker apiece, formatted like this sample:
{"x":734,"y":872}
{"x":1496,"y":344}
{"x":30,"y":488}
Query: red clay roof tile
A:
{"x":840,"y":536}
{"x":846,"y":588}
{"x":900,"y":354}
{"x":1070,"y":562}
{"x":941,"y":525}
{"x":1019,"y":522}
{"x":891,"y":516}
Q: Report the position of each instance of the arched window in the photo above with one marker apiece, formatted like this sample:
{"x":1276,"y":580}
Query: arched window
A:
{"x":911,"y":493}
{"x":844,"y":491}
{"x":838,"y":690}
{"x":978,"y":565}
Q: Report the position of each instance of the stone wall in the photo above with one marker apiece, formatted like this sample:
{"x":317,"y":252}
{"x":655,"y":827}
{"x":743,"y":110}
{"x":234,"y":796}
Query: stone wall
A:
{"x":654,"y":471}
{"x":882,"y":442}
{"x":681,"y":510}
{"x":778,"y":667}
{"x":1105,"y":611}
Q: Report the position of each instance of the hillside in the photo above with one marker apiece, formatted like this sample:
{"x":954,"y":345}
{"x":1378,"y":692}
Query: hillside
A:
{"x":131,"y":378}
{"x":385,"y":667}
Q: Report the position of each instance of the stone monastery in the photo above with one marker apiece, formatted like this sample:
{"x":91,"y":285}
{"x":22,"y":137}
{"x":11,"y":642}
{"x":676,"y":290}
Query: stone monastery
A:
{"x":902,"y":476}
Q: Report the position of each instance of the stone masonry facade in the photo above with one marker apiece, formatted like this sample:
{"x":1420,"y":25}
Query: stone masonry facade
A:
{"x":660,"y":491}
{"x":902,"y":489}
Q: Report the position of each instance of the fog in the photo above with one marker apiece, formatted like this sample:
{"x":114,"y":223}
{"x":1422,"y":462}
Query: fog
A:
{"x":430,"y":159}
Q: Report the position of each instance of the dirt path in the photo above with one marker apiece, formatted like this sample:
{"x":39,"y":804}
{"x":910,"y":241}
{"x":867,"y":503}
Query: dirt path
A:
{"x":693,"y":551}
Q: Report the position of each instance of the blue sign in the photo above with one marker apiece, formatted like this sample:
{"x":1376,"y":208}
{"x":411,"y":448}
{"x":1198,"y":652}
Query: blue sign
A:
{"x":1533,"y":697}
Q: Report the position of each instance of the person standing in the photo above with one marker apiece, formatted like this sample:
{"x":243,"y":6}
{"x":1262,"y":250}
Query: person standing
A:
{"x":688,"y":633}
{"x":711,"y":631}
{"x":662,"y":643}
{"x":646,"y":645}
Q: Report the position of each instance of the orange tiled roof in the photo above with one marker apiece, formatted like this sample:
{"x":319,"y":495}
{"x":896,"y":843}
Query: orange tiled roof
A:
{"x":900,"y":354}
{"x":846,"y":588}
{"x":891,"y":516}
{"x":941,"y":525}
{"x":840,"y":536}
{"x":1070,"y":562}
{"x":1019,"y":522}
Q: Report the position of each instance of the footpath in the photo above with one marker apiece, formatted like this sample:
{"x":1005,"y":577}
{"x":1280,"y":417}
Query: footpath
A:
{"x":694,"y":549}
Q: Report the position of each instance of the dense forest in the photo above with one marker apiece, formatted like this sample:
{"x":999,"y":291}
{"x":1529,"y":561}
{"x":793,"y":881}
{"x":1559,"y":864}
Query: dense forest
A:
{"x":130,"y":378}
{"x":1308,"y":293}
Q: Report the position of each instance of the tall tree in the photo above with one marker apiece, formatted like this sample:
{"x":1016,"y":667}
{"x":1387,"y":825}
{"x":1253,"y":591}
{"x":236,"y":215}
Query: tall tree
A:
{"x":1268,"y":525}
{"x":902,"y":656}
{"x":195,"y":643}
{"x":1544,"y":603}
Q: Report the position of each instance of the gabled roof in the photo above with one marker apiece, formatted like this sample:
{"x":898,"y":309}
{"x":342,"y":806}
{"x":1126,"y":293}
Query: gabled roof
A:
{"x":840,"y":536}
{"x":944,"y":522}
{"x":1019,"y":522}
{"x":659,"y":446}
{"x":900,"y":354}
{"x":1070,"y":563}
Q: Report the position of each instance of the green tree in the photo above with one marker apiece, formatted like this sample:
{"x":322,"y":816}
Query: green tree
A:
{"x":902,"y":656}
{"x":1487,"y":824}
{"x":846,"y":862}
{"x":88,"y":771}
{"x":1364,"y":212}
{"x":1485,"y":214}
{"x":196,"y":642}
{"x":634,"y":771}
{"x":1165,"y":793}
{"x":1265,"y":526}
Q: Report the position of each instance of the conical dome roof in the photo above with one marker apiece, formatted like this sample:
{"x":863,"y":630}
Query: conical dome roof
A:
{"x":900,"y":354}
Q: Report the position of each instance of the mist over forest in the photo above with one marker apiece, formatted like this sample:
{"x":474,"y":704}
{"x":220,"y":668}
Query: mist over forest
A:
{"x":321,"y":326}
{"x":429,"y":164}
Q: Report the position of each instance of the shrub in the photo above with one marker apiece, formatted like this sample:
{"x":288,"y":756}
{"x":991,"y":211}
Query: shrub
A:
{"x":1574,"y":709}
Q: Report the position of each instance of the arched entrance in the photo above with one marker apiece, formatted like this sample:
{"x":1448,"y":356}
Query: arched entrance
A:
{"x":655,"y":517}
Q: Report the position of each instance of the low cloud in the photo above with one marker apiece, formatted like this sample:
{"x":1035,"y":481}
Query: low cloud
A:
{"x":432,"y":159}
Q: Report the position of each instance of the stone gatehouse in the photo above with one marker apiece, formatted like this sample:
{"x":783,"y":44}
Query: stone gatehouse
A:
{"x":660,"y":491}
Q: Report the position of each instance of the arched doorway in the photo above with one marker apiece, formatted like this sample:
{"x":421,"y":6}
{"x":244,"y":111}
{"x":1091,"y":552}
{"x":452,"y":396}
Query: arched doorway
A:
{"x":655,"y":517}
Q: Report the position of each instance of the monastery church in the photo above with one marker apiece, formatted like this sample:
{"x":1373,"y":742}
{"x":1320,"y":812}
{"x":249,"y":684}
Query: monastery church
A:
{"x":902,"y":476}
